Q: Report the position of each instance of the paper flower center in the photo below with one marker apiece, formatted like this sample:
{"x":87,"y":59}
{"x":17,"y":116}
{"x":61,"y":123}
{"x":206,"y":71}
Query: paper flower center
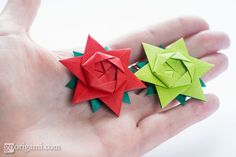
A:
{"x":101,"y":72}
{"x":173,"y":69}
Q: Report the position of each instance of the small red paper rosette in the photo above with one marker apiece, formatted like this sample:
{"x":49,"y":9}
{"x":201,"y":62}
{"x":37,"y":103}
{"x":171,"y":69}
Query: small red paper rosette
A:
{"x":102,"y":74}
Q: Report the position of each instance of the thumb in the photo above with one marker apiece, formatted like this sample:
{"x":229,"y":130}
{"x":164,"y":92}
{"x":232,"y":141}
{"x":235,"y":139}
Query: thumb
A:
{"x":19,"y":14}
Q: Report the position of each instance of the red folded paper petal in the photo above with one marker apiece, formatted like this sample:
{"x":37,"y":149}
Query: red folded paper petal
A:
{"x":99,"y":68}
{"x":116,"y":61}
{"x":97,"y":57}
{"x":90,"y":76}
{"x":84,"y":93}
{"x":92,"y":46}
{"x":114,"y":100}
{"x":107,"y":87}
{"x":106,"y":65}
{"x":122,"y":54}
{"x":73,"y":64}
{"x":133,"y":82}
{"x":110,"y":75}
{"x":121,"y":79}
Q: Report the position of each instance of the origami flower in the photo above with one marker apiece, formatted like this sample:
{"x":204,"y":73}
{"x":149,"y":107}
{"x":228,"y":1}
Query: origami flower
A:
{"x":102,"y":74}
{"x":173,"y":72}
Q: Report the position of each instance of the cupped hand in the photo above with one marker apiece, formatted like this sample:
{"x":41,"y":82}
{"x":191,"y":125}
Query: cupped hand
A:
{"x":35,"y":106}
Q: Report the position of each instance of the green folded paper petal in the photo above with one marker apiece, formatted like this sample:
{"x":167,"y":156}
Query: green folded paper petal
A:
{"x":182,"y":98}
{"x":151,"y":90}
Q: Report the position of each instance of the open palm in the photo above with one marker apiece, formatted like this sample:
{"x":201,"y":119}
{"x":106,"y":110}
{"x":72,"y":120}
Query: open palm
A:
{"x":35,"y":106}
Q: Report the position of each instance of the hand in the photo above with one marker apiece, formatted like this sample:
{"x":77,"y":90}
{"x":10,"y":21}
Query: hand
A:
{"x":35,"y":105}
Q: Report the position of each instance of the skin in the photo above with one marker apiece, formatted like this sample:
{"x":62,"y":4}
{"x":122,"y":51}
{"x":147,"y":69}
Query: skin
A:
{"x":35,"y":106}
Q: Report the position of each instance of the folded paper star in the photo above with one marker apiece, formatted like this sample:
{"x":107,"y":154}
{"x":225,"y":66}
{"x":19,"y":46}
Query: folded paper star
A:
{"x":102,"y":74}
{"x":94,"y":103}
{"x":173,"y":72}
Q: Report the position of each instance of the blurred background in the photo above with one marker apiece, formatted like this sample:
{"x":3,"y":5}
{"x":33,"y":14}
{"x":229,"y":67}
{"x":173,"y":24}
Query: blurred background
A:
{"x":66,"y":23}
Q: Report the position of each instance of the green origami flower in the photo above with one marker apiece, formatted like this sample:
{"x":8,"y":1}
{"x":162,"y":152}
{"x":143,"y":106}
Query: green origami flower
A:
{"x":173,"y":72}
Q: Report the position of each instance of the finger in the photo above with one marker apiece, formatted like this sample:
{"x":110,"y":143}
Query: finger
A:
{"x":18,"y":15}
{"x":157,"y":128}
{"x":207,"y":42}
{"x":163,"y":33}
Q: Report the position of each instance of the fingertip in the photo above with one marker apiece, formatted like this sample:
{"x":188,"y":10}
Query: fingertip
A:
{"x":214,"y":40}
{"x":195,"y":21}
{"x":224,"y":37}
{"x":213,"y":99}
{"x":212,"y":103}
{"x":19,"y":14}
{"x":227,"y":39}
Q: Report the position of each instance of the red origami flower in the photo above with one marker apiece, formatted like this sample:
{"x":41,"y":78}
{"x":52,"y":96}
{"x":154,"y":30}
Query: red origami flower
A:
{"x":102,"y":74}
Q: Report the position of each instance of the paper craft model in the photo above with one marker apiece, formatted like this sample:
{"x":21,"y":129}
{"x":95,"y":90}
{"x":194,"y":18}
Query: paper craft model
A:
{"x":101,"y":75}
{"x":173,"y":72}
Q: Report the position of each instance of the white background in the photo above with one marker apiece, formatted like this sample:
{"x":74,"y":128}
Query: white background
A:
{"x":66,"y":23}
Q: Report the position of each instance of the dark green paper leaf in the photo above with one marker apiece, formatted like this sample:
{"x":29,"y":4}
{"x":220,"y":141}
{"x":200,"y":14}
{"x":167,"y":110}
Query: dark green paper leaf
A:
{"x":106,"y":48}
{"x":202,"y":83}
{"x":132,"y":69}
{"x":181,"y":99}
{"x":77,"y":54}
{"x":95,"y":104}
{"x":151,"y":90}
{"x":141,"y":64}
{"x":72,"y":83}
{"x":126,"y":98}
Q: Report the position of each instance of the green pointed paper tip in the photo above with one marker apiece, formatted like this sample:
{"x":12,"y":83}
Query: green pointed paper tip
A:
{"x":151,"y":90}
{"x":181,"y":99}
{"x":141,"y":64}
{"x":106,"y":48}
{"x":72,"y":83}
{"x":126,"y":98}
{"x":162,"y":46}
{"x":77,"y":54}
{"x":95,"y":104}
{"x":202,"y":83}
{"x":132,"y":69}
